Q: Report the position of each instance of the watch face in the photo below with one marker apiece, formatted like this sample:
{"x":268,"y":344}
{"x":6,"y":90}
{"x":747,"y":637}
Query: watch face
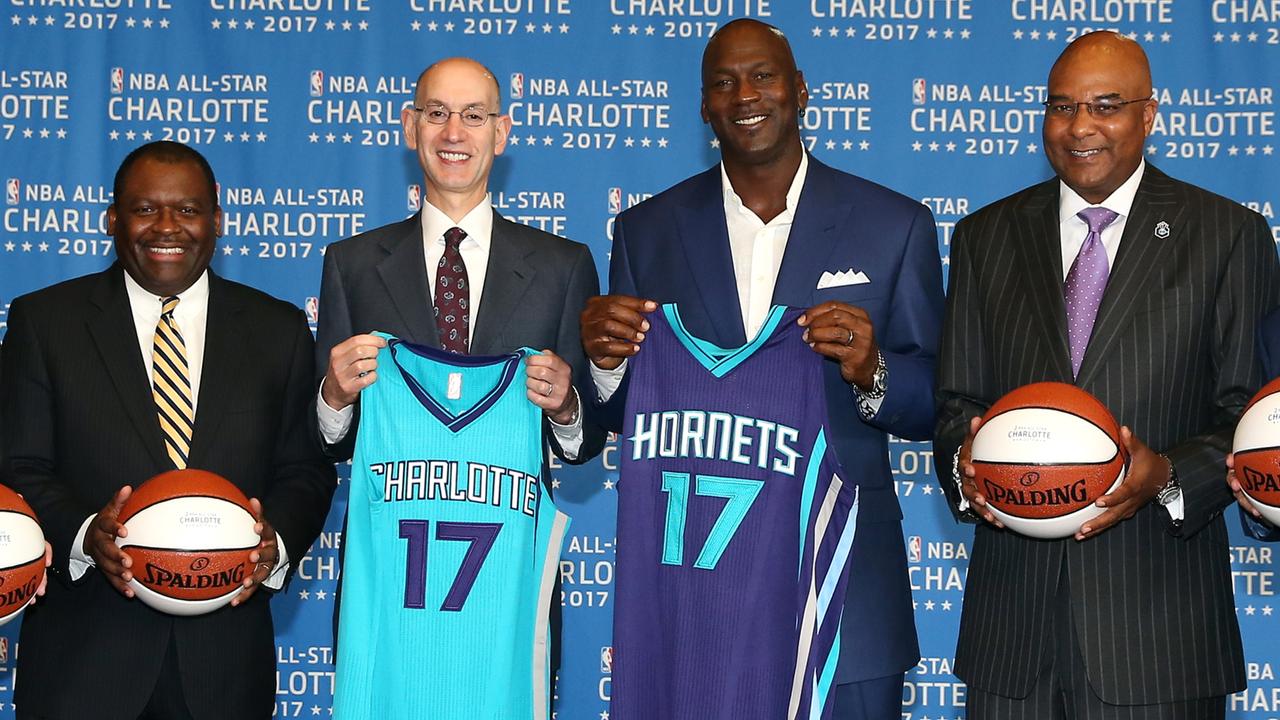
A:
{"x":1168,"y":495}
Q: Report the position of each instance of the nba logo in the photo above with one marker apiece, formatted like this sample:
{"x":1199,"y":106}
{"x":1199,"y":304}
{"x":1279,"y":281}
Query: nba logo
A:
{"x":615,"y":200}
{"x":606,"y":659}
{"x":414,"y":198}
{"x":917,"y":91}
{"x":11,"y":187}
{"x":312,"y":308}
{"x":117,"y":80}
{"x":913,"y":548}
{"x":517,"y":85}
{"x":317,"y":83}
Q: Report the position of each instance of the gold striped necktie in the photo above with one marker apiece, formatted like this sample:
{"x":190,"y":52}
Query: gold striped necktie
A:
{"x":171,"y":385}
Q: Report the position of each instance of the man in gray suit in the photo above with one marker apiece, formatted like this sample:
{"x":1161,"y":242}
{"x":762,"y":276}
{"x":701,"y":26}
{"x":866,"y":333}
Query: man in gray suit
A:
{"x":459,"y":276}
{"x":1146,"y":292}
{"x":516,"y":286}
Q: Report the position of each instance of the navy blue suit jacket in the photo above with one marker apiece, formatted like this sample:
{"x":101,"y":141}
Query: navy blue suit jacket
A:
{"x":674,"y":247}
{"x":1269,"y":348}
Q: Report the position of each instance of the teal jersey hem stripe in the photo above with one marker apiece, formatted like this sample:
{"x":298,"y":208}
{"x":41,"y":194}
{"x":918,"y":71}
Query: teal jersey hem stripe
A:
{"x":806,"y":496}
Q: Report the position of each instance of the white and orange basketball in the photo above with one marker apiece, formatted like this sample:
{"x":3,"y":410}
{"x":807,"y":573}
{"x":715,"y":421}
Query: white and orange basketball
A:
{"x":1044,"y":454}
{"x":1257,"y":451}
{"x":21,"y":554}
{"x":190,"y":534}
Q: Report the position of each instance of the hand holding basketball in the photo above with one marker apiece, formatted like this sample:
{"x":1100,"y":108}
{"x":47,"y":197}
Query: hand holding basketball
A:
{"x":1238,"y":490}
{"x":264,"y":557}
{"x":969,"y":476}
{"x":100,"y":543}
{"x":843,"y":333}
{"x":1148,"y":472}
{"x":612,"y":328}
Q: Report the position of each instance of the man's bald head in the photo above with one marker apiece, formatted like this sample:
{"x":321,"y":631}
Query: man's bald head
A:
{"x":1105,"y":48}
{"x":459,"y":67}
{"x":1099,"y":113}
{"x":734,"y":32}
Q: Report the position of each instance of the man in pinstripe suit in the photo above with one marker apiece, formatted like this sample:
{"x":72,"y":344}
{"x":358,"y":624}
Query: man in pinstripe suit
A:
{"x":1133,"y":618}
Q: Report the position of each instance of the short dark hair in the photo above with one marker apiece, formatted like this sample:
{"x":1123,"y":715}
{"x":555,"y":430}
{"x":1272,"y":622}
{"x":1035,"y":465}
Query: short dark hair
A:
{"x":168,"y":152}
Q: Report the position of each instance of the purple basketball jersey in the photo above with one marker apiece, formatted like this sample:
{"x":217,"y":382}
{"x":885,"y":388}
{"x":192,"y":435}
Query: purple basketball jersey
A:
{"x":735,"y":524}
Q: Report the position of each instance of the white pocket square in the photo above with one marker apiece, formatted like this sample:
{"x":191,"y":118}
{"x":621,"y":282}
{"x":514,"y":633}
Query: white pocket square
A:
{"x":842,"y":278}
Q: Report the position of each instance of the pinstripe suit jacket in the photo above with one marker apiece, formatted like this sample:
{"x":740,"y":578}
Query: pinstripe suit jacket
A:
{"x":1173,"y":356}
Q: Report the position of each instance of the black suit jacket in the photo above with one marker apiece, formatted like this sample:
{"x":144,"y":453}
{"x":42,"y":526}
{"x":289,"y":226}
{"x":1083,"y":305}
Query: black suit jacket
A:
{"x":80,"y":422}
{"x":1173,"y":357}
{"x":535,"y":287}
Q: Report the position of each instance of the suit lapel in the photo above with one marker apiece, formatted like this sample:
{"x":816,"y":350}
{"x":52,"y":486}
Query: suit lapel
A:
{"x":1039,"y":251}
{"x":224,"y":356}
{"x":705,"y":238}
{"x":116,"y":337}
{"x":1137,"y":261}
{"x":507,"y":277}
{"x":812,"y":238}
{"x":404,"y":275}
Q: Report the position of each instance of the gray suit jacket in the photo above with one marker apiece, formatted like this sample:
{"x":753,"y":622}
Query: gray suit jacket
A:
{"x":535,"y":287}
{"x":1173,"y":357}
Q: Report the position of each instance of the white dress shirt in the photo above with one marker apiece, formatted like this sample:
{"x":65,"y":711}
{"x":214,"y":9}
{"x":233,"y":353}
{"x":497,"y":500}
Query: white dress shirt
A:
{"x":191,"y":317}
{"x":1073,"y":231}
{"x":474,"y":248}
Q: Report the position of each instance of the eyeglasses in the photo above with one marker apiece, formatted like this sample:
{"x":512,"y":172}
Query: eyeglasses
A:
{"x":470,"y":116}
{"x":1104,"y":108}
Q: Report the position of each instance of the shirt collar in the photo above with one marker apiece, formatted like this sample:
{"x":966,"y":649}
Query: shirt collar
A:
{"x":733,"y":200}
{"x":478,"y":223}
{"x":140,"y":297}
{"x":1119,"y":202}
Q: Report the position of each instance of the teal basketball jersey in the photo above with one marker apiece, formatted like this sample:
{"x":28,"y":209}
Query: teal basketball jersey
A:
{"x":452,"y":544}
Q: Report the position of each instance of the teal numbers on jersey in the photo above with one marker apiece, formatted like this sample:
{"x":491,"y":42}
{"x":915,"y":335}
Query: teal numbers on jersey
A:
{"x":739,"y":493}
{"x":481,"y":537}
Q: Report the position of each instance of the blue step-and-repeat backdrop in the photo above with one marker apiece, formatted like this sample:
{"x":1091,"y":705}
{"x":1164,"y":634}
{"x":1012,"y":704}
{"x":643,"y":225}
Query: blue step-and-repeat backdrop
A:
{"x":297,"y":103}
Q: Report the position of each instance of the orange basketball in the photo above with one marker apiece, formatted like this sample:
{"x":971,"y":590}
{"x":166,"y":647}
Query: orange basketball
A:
{"x":1044,"y":453}
{"x":21,"y":554}
{"x":1257,"y":451}
{"x":189,"y":535}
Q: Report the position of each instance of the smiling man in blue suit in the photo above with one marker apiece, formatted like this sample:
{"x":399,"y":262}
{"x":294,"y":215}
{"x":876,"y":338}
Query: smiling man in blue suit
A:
{"x":772,"y":225}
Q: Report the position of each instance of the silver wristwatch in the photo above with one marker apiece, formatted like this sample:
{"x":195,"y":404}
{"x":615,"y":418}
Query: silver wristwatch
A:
{"x":1172,"y":489}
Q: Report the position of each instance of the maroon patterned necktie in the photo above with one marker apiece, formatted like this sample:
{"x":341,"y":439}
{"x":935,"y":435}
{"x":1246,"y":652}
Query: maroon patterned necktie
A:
{"x":452,"y":296}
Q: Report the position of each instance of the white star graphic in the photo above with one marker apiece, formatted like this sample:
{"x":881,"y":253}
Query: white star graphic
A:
{"x":846,"y":145}
{"x":315,"y":709}
{"x":946,"y":604}
{"x":831,"y":144}
{"x":329,"y":25}
{"x":146,"y":134}
{"x":44,"y":246}
{"x":1017,"y":34}
{"x":129,"y":135}
{"x":662,"y":142}
{"x":1248,"y":610}
{"x":130,"y":22}
{"x":314,"y":137}
{"x":432,"y":26}
{"x":1149,"y":36}
{"x":15,"y":20}
{"x":633,"y":30}
{"x":834,"y":32}
{"x":364,"y":25}
{"x":715,"y":143}
{"x":346,"y":24}
{"x":616,"y":29}
{"x":546,"y":28}
{"x":1266,"y":610}
{"x":226,"y":250}
{"x":244,"y":249}
{"x":1051,"y":35}
{"x":330,"y":137}
{"x":114,"y":134}
{"x":948,"y":33}
{"x":546,"y":140}
{"x":608,"y":484}
{"x":1250,"y":150}
{"x":26,"y":246}
{"x":164,"y":23}
{"x":817,"y":32}
{"x":1034,"y":34}
{"x":1032,"y":147}
{"x":931,"y":33}
{"x":321,"y":595}
{"x":1217,"y":37}
{"x":850,"y":32}
{"x":244,"y":137}
{"x":346,"y":138}
{"x":649,"y":30}
{"x":530,"y":28}
{"x":564,"y":28}
{"x":951,"y":147}
{"x":628,"y":141}
{"x":1151,"y":149}
{"x":8,"y":246}
{"x":147,"y":22}
{"x":231,"y":24}
{"x":915,"y":146}
{"x":513,"y":140}
{"x":933,"y":147}
{"x":928,"y":604}
{"x":1233,"y":151}
{"x":604,"y":715}
{"x":1266,"y":149}
{"x":415,"y":25}
{"x":1165,"y":37}
{"x":555,"y":484}
{"x":1253,"y":37}
{"x":1235,"y":37}
{"x":644,"y":142}
{"x":248,"y":24}
{"x":927,"y":489}
{"x":964,"y":34}
{"x":215,"y":23}
{"x":262,"y":137}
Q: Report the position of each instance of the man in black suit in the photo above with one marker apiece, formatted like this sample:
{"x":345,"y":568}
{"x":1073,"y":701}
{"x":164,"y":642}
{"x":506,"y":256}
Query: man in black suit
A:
{"x":526,"y":287}
{"x":1134,"y":617}
{"x":85,"y":421}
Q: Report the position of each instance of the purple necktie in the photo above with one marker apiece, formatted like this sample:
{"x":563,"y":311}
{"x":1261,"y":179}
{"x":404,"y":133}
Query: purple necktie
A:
{"x":452,"y":295}
{"x":1086,"y":282}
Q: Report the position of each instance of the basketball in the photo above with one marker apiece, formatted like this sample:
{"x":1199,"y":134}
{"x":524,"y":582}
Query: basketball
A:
{"x":190,"y":534}
{"x":21,"y":554}
{"x":1043,"y":454}
{"x":1257,"y":451}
